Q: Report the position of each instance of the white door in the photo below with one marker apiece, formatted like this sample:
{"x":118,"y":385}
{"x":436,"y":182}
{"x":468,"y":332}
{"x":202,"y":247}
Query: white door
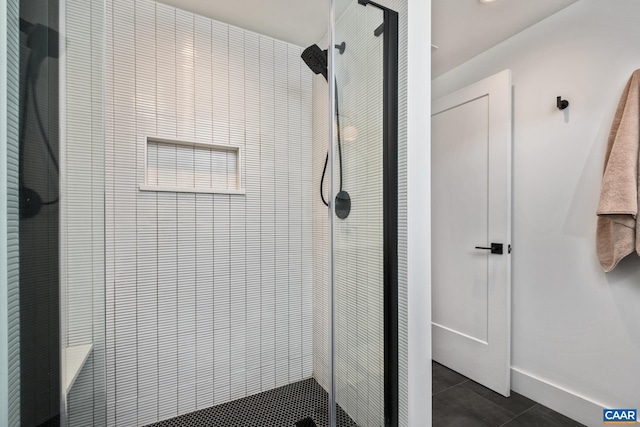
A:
{"x":471,"y":210}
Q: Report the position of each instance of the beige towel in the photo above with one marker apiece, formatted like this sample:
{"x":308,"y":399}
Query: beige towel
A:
{"x":618,"y":232}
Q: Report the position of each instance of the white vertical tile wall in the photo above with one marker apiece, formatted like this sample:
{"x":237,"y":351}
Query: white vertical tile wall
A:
{"x":109,"y":221}
{"x":321,"y":283}
{"x":209,"y":297}
{"x":204,"y":217}
{"x":295,"y":308}
{"x":146,"y":220}
{"x":305,"y":132}
{"x":83,"y":206}
{"x":186,"y":302}
{"x":281,"y":159}
{"x":252,"y":200}
{"x":125,"y":231}
{"x":358,"y":239}
{"x":267,"y":213}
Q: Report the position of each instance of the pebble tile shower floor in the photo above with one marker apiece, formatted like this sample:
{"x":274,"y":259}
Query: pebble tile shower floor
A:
{"x":280,"y":407}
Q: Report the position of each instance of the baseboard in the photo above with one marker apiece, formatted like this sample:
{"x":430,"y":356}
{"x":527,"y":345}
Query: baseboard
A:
{"x":566,"y":402}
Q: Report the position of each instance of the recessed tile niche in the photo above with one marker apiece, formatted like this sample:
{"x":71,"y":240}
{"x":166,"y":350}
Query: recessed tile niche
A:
{"x":192,"y":167}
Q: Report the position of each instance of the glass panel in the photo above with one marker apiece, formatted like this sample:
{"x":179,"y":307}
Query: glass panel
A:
{"x":39,"y":172}
{"x":358,"y":226}
{"x":60,"y":376}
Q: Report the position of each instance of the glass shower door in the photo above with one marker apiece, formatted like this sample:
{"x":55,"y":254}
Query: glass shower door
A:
{"x":55,"y":212}
{"x":364,"y":219}
{"x":37,"y":251}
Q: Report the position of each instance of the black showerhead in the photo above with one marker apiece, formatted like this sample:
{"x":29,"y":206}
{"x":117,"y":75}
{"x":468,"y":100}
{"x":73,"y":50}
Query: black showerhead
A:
{"x":41,"y":38}
{"x":43,"y":42}
{"x":316,"y":59}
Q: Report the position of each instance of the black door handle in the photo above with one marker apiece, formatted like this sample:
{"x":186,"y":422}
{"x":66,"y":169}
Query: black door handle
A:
{"x":496,"y":248}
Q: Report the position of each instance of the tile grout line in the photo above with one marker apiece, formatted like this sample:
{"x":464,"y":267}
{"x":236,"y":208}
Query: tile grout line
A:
{"x":449,"y":388}
{"x":523,"y":412}
{"x":491,"y":402}
{"x":516,"y":415}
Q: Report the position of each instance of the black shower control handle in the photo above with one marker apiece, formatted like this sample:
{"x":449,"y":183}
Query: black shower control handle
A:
{"x":496,"y":248}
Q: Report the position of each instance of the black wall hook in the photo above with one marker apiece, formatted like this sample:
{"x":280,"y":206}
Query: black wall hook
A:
{"x":561,"y":103}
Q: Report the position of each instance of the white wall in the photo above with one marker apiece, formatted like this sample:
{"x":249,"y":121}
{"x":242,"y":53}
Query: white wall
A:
{"x":573,"y":326}
{"x":209,"y":297}
{"x":415,"y":299}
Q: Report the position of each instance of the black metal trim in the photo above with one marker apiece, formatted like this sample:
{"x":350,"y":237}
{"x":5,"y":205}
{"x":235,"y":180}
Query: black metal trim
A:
{"x":374,"y":4}
{"x":390,"y":197}
{"x":390,"y":209}
{"x":378,"y":31}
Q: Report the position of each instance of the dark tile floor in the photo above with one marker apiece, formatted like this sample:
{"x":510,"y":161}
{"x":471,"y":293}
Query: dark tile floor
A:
{"x":460,"y":402}
{"x":301,"y":404}
{"x":457,"y":402}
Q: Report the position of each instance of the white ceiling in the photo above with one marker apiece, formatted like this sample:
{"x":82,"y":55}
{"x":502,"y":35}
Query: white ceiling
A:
{"x":301,"y":22}
{"x":461,"y":29}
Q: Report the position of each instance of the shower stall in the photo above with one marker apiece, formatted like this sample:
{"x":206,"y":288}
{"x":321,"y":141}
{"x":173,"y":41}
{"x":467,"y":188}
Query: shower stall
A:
{"x":207,"y":223}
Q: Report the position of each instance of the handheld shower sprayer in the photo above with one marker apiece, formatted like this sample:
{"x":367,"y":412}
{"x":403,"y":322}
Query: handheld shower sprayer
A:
{"x":317,"y":60}
{"x":43,"y":43}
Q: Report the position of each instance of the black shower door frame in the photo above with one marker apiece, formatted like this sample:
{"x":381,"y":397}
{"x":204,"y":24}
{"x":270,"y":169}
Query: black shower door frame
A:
{"x":390,"y":30}
{"x":390,"y":207}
